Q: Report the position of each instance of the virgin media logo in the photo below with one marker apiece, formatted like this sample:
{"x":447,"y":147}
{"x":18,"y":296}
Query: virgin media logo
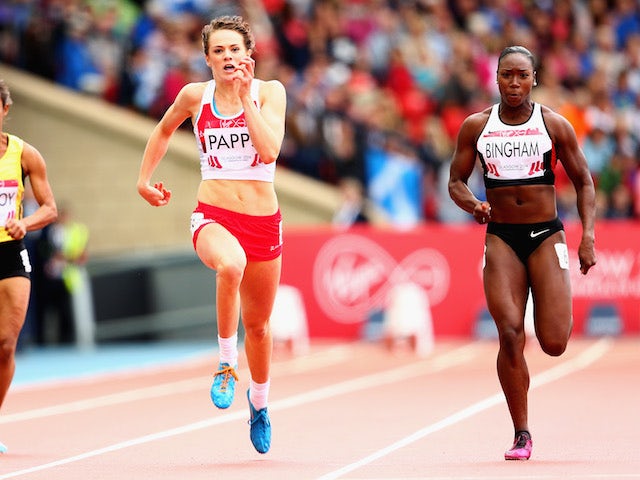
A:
{"x":353,"y":274}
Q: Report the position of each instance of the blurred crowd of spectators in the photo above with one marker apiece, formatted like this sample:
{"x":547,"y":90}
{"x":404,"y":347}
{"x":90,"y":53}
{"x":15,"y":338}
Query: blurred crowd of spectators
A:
{"x":377,"y":88}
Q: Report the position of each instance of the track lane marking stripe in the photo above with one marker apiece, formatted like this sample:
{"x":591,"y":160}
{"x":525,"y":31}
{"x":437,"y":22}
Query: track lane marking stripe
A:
{"x":579,"y":362}
{"x":428,"y":365}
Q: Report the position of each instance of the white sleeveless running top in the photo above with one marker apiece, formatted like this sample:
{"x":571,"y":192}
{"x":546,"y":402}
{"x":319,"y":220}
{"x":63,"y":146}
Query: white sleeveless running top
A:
{"x":516,"y":154}
{"x":225,"y":147}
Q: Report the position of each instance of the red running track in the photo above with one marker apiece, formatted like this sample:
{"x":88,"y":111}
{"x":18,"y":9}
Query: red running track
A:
{"x":340,"y":411}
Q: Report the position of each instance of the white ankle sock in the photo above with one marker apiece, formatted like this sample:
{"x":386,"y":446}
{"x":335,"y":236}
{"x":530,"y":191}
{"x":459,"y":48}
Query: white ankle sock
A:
{"x":229,"y":349}
{"x":259,"y":394}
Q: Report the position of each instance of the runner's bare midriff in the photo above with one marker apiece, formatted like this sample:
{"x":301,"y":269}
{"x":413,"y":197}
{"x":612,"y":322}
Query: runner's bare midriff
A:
{"x":250,"y":197}
{"x":522,"y":204}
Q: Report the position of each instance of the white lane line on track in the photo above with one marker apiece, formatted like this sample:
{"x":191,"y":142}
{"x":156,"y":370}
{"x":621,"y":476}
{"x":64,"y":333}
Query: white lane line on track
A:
{"x":565,"y":476}
{"x":325,"y":358}
{"x":579,"y":362}
{"x":429,"y":365}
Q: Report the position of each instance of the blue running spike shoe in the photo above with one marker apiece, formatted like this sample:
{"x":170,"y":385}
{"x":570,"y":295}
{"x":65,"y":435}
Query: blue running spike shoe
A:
{"x":3,"y":448}
{"x":259,"y":428}
{"x":224,"y":385}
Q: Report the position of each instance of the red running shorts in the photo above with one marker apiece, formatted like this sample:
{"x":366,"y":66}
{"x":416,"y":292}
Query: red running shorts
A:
{"x":259,"y":236}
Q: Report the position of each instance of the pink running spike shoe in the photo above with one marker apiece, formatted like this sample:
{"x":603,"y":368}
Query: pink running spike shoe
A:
{"x":521,"y":449}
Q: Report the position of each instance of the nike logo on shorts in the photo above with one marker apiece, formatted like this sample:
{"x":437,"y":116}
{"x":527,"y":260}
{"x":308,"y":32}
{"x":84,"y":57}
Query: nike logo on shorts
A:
{"x":537,"y":234}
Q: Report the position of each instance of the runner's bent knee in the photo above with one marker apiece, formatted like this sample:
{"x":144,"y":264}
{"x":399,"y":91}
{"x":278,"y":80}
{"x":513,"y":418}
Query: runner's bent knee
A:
{"x":257,"y":331}
{"x":553,"y":344}
{"x":511,"y":339}
{"x":230,"y":272}
{"x":7,"y":349}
